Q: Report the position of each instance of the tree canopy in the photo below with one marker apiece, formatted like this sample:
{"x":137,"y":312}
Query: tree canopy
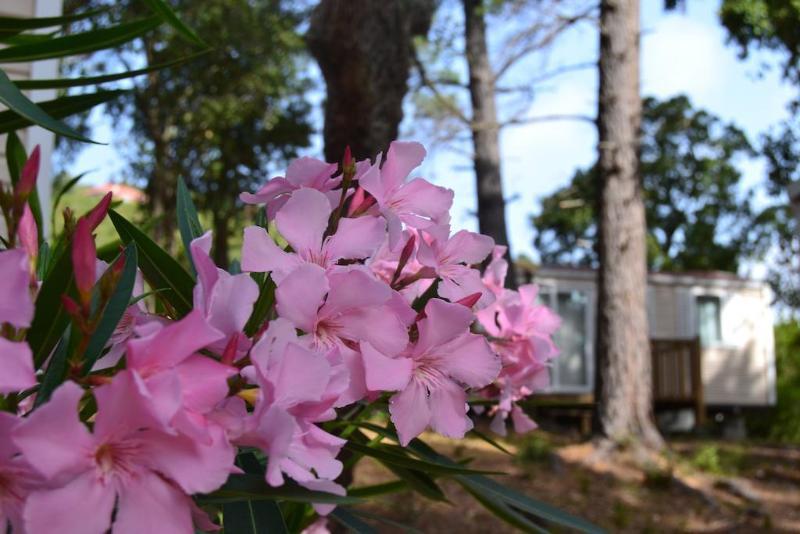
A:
{"x":697,"y":214}
{"x":224,"y":120}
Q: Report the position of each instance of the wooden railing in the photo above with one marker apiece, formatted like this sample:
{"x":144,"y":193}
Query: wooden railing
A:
{"x":677,"y":374}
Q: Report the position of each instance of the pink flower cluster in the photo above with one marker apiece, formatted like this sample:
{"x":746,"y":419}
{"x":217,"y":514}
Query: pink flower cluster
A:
{"x":374,"y":301}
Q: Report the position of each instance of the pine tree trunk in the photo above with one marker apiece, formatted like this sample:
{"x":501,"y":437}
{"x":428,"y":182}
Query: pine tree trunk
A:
{"x":624,"y":380}
{"x":485,"y":132}
{"x":363,"y":49}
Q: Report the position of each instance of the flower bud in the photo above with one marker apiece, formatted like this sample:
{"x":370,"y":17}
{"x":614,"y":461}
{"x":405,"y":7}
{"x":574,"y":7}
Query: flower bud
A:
{"x":84,"y":257}
{"x":27,"y":179}
{"x":98,"y":213}
{"x":28,"y":233}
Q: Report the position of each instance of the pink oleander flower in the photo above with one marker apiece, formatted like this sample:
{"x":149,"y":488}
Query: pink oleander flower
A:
{"x":446,"y":358}
{"x":17,"y":477}
{"x":451,"y":258}
{"x":226,"y":300}
{"x":417,"y":203}
{"x":128,"y":463}
{"x":344,"y":309}
{"x":16,"y":304}
{"x":302,"y":221}
{"x":522,"y":333}
{"x":84,"y":260}
{"x":28,"y":236}
{"x":299,"y":387}
{"x":183,"y":385}
{"x":301,"y":173}
{"x":16,"y":309}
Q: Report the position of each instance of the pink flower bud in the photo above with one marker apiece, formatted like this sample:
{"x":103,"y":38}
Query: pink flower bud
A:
{"x":83,"y":259}
{"x":28,"y":233}
{"x":348,"y":156}
{"x":98,"y":213}
{"x":71,"y":307}
{"x":27,"y":179}
{"x":470,"y":300}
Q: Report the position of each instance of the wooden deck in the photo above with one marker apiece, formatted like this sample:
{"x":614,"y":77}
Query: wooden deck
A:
{"x":677,"y":383}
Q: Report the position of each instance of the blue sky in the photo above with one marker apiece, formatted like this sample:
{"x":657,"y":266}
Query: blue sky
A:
{"x":682,"y":52}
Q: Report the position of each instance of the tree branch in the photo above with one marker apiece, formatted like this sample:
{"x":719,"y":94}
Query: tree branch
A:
{"x":561,"y":24}
{"x":549,"y":118}
{"x":423,"y":76}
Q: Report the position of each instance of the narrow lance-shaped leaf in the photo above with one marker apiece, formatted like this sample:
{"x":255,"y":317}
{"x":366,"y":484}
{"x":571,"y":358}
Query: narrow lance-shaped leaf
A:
{"x":351,"y":522}
{"x":159,"y":268}
{"x":15,"y":25}
{"x":12,"y":97}
{"x":15,"y":156}
{"x":57,"y":109}
{"x":114,"y":309}
{"x":56,"y":370}
{"x":169,"y":16}
{"x":79,"y":43}
{"x":63,"y":83}
{"x":50,"y":319}
{"x":188,"y":221}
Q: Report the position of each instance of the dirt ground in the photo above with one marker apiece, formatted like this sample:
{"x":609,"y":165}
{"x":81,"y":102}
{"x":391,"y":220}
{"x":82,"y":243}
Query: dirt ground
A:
{"x":705,"y":486}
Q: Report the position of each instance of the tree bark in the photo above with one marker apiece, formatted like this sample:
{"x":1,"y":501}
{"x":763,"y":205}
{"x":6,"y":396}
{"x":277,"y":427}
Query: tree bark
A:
{"x":363,"y":48}
{"x":624,"y":380}
{"x":485,"y":133}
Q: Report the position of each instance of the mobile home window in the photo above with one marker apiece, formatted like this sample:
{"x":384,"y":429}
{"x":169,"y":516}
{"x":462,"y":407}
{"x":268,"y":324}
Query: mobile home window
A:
{"x":708,"y":316}
{"x":570,"y":370}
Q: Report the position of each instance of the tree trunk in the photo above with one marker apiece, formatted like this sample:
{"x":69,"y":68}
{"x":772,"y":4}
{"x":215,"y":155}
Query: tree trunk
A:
{"x":485,"y":133}
{"x":221,"y":234}
{"x":624,"y":380}
{"x":363,"y":49}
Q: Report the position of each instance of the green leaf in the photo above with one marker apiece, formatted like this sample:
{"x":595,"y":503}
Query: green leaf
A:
{"x":419,"y":481}
{"x":49,"y":318}
{"x":15,"y":25}
{"x":168,"y":15}
{"x":494,"y":443}
{"x":394,"y":456}
{"x":351,"y":522}
{"x":253,"y":487}
{"x":17,"y":102}
{"x":397,"y":525}
{"x":253,"y":517}
{"x":15,"y":156}
{"x":114,"y":309}
{"x":489,"y":487}
{"x":56,"y":370}
{"x":57,"y":109}
{"x":43,"y":261}
{"x":63,"y":83}
{"x":505,"y":512}
{"x":79,"y":43}
{"x":266,"y":297}
{"x":158,"y":267}
{"x":378,"y":489}
{"x":188,"y":221}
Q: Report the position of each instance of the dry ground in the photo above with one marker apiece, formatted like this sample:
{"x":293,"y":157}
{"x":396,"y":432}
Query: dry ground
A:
{"x":706,"y":486}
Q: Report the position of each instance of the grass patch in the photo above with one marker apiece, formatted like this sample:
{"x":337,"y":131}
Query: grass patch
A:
{"x":535,"y":449}
{"x":718,"y":460}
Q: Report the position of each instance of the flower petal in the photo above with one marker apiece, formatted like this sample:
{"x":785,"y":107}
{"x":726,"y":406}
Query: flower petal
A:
{"x":150,"y":504}
{"x":260,"y":254}
{"x":384,"y":373}
{"x":45,"y":432}
{"x":16,"y":366}
{"x":356,"y":238}
{"x":449,"y":410}
{"x":300,"y":295}
{"x":83,"y":506}
{"x":303,"y":219}
{"x":16,"y":306}
{"x":410,"y":411}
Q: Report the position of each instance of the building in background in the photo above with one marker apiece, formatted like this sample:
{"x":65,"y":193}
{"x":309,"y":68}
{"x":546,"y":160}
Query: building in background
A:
{"x":711,"y":334}
{"x":36,"y":70}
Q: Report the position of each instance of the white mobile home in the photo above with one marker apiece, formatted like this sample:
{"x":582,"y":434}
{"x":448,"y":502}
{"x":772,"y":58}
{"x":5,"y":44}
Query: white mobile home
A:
{"x":727,"y":319}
